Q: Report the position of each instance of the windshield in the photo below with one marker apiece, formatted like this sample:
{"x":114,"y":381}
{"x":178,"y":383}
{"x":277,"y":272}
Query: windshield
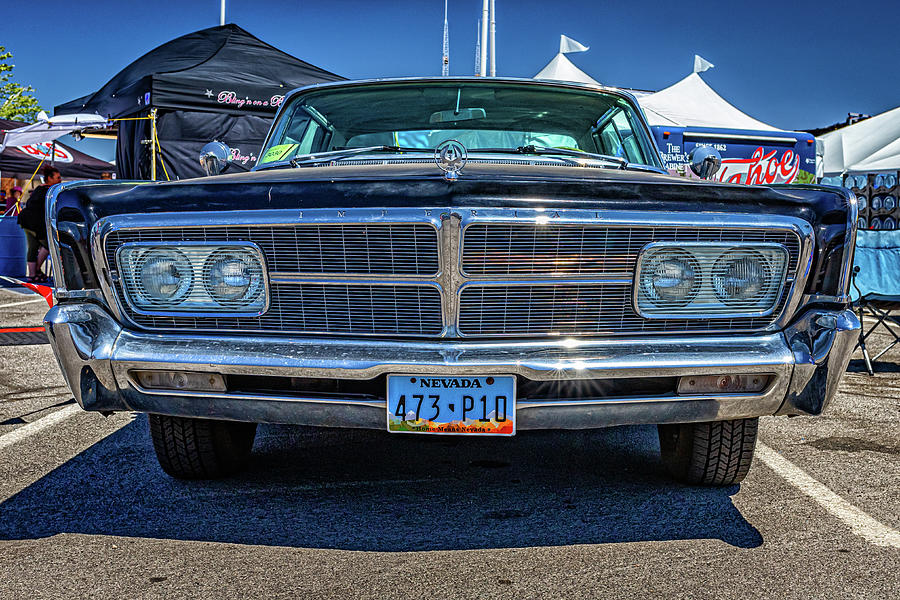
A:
{"x":481,"y":115}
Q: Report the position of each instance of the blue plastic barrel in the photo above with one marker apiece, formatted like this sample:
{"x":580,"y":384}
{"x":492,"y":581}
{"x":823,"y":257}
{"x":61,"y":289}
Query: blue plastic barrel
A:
{"x":12,"y":248}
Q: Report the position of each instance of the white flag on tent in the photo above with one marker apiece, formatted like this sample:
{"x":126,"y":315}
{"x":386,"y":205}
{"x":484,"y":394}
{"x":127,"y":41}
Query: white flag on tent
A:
{"x":567,"y":44}
{"x":701,"y":64}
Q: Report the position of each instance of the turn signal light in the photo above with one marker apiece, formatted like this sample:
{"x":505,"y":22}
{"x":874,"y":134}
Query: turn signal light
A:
{"x":187,"y":381}
{"x":730,"y":384}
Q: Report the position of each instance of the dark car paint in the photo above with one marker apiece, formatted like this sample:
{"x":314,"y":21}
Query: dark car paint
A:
{"x":479,"y":185}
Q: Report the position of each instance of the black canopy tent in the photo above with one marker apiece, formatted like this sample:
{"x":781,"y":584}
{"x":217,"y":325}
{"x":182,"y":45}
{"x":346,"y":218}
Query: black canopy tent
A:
{"x":22,"y":162}
{"x":218,"y":83}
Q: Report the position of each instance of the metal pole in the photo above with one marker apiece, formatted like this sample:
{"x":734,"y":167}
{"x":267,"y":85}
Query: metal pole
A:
{"x":493,"y":45}
{"x":478,"y":49}
{"x":445,"y":60}
{"x":484,"y":38}
{"x":222,"y":14}
{"x":153,"y":144}
{"x":52,"y":152}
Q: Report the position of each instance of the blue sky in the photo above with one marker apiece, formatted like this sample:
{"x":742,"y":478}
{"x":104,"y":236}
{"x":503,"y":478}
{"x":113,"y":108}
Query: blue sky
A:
{"x":794,"y":64}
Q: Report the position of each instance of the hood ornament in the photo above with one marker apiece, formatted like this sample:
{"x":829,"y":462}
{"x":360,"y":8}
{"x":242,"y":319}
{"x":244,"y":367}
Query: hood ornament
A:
{"x":451,"y":156}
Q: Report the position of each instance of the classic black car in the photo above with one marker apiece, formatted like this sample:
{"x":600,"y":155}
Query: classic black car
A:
{"x":453,"y":256}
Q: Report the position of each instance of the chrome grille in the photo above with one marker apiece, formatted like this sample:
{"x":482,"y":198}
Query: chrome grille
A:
{"x":358,"y":248}
{"x":547,"y":250}
{"x":572,"y":309}
{"x":517,"y":275}
{"x":361,"y":309}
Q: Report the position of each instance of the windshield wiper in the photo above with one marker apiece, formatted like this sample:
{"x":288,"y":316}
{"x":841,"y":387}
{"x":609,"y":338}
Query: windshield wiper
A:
{"x":305,"y":159}
{"x":539,"y":150}
{"x":559,"y":152}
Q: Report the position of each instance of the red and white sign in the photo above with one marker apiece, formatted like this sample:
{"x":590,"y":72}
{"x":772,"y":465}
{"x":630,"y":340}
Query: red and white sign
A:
{"x":763,"y":168}
{"x":42,"y":151}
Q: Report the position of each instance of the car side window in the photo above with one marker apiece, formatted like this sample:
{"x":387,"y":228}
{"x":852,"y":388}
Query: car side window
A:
{"x":616,"y":137}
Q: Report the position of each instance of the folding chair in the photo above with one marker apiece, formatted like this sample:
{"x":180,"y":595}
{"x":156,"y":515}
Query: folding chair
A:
{"x":876,"y":288}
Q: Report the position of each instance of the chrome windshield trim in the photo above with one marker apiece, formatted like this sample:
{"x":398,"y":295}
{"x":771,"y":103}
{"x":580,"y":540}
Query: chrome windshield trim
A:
{"x":567,"y":85}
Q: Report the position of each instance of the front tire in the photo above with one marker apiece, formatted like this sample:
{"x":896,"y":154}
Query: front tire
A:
{"x":714,"y":453}
{"x":189,"y":448}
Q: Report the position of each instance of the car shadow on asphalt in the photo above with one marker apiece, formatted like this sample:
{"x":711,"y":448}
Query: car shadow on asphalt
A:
{"x":373,"y":491}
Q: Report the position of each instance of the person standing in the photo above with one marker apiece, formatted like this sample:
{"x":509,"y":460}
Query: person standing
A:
{"x":12,"y":199}
{"x":32,"y":220}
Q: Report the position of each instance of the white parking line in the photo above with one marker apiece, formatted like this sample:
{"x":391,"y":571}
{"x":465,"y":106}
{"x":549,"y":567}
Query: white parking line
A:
{"x":859,"y":522}
{"x":2,"y":306}
{"x":25,"y":431}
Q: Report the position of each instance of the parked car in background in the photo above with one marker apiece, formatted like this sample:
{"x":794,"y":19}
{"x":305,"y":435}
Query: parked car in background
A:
{"x":453,"y":256}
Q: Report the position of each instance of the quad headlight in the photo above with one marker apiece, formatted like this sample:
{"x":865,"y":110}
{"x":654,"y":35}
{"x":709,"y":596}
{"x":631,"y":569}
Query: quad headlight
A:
{"x":708,"y":280}
{"x":159,"y":278}
{"x":163,"y":276}
{"x":671,"y":278}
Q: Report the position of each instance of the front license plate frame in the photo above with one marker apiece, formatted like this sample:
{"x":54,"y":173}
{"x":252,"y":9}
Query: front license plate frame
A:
{"x":458,"y":403}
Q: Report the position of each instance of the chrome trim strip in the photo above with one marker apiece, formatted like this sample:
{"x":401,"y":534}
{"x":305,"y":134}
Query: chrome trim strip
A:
{"x":632,"y":218}
{"x":398,"y":279}
{"x":728,"y":136}
{"x":547,"y":282}
{"x":273,"y":217}
{"x":244,"y":396}
{"x":849,"y":246}
{"x":726,"y":247}
{"x":587,"y":402}
{"x":195,"y":313}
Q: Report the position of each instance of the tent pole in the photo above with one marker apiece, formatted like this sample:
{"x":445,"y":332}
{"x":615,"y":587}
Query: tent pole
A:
{"x":52,"y":152}
{"x":153,"y":144}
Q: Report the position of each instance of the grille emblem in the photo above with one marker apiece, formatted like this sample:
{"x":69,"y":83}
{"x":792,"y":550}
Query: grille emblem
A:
{"x":451,"y":156}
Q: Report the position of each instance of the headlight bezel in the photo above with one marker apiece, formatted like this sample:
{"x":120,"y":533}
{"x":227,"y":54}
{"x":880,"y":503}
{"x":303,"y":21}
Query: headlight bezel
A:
{"x":705,"y":304}
{"x":198,"y":302}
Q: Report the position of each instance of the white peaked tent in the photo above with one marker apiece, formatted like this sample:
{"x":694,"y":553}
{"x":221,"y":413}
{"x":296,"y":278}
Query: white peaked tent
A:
{"x":692,"y":103}
{"x":866,"y":147}
{"x":563,"y":69}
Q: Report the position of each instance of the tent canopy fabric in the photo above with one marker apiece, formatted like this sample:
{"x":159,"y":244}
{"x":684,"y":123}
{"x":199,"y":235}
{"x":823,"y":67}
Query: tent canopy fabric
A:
{"x":217,"y":83}
{"x":563,"y":69}
{"x":221,"y":69}
{"x":865,"y":147}
{"x":22,"y":160}
{"x":47,"y":130}
{"x":692,"y":103}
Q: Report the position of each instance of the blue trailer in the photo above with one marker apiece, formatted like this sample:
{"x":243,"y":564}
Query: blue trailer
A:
{"x":749,"y":157}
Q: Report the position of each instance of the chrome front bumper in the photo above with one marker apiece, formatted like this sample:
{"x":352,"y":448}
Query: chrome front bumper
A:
{"x":97,"y":356}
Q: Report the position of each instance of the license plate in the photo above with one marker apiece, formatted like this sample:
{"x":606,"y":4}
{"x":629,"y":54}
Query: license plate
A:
{"x":451,"y":405}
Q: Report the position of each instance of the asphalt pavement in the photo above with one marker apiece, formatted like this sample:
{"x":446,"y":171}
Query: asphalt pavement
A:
{"x":85,"y":511}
